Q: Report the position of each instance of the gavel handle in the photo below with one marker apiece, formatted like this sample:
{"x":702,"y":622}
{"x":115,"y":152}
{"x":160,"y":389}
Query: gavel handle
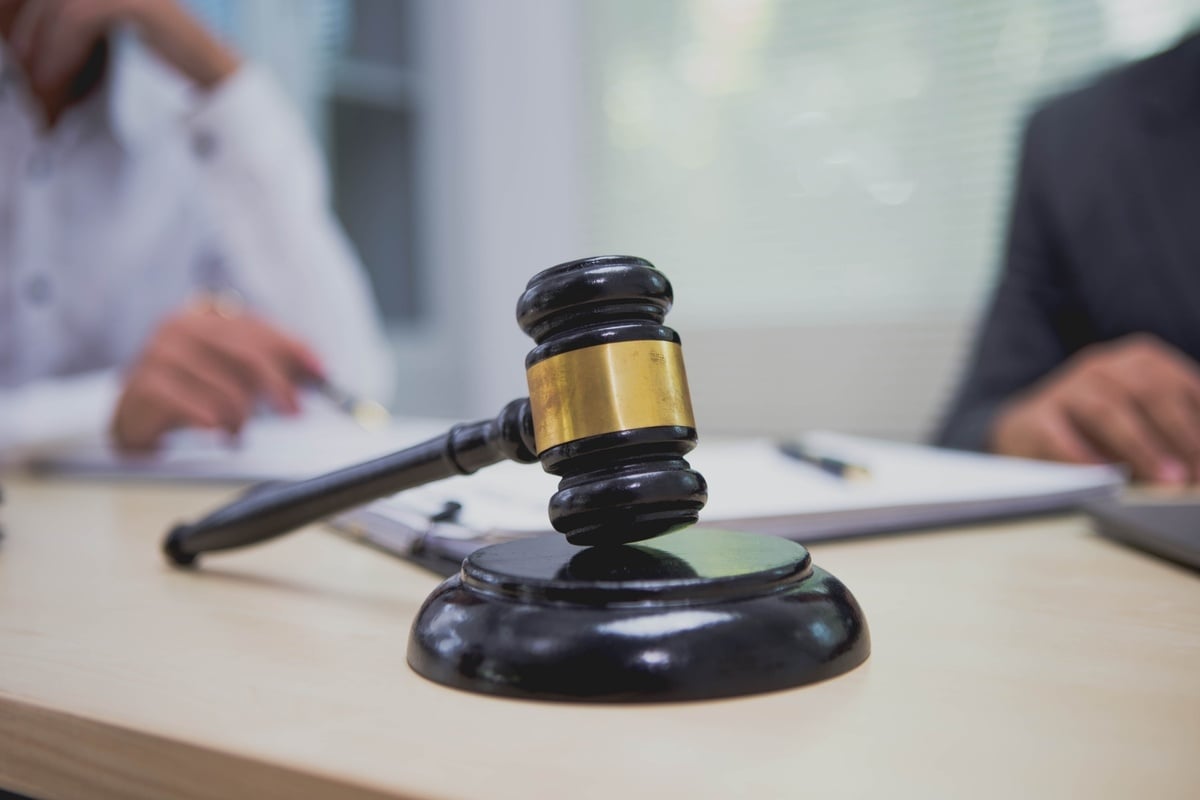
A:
{"x":275,"y":510}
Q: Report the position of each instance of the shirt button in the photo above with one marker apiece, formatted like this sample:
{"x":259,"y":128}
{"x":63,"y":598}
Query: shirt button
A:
{"x":39,"y":290}
{"x":204,"y":144}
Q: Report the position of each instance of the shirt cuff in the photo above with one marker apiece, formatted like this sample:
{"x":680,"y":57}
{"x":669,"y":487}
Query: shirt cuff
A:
{"x":46,"y":414}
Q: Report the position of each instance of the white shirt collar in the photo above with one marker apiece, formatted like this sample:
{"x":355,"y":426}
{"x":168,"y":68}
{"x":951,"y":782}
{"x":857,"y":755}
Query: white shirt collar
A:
{"x":144,"y":95}
{"x":140,"y":95}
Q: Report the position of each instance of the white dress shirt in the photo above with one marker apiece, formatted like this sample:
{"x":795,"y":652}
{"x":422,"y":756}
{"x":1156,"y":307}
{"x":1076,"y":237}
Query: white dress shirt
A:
{"x":146,"y":193}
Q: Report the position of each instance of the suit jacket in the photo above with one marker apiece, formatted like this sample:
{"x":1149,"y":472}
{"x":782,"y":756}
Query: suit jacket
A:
{"x":1104,"y":238}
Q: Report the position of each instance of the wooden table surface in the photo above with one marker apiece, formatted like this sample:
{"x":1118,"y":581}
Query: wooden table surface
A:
{"x":1028,"y":659}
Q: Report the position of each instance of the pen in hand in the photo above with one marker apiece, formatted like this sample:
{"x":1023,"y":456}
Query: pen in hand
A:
{"x":826,"y":463}
{"x":370,"y":414}
{"x":228,"y":303}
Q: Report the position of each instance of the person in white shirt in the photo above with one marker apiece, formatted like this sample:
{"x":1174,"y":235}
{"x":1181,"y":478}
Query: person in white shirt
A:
{"x":146,"y":173}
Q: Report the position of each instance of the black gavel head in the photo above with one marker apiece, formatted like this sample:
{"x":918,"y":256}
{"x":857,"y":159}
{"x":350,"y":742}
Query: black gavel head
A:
{"x":609,"y":401}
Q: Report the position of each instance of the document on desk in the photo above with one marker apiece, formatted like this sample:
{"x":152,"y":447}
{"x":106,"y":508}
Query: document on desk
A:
{"x":753,"y":486}
{"x":268,"y":448}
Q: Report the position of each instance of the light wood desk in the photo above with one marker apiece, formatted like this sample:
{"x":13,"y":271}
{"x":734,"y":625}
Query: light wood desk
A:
{"x":1029,"y":659}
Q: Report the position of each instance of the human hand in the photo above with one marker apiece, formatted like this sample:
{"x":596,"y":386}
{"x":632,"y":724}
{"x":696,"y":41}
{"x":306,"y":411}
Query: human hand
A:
{"x":52,"y":39}
{"x":205,"y":367}
{"x":1134,"y":400}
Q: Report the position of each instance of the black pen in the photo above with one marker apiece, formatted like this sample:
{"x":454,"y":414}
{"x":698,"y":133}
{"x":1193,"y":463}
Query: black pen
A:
{"x":826,"y":463}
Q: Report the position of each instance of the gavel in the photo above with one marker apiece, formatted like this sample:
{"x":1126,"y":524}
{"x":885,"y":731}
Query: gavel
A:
{"x":608,"y":411}
{"x":634,"y":604}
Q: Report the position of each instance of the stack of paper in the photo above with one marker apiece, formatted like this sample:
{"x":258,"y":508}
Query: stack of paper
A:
{"x":754,"y":486}
{"x":269,"y":448}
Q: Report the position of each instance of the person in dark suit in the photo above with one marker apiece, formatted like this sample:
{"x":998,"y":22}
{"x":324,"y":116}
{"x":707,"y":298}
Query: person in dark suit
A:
{"x":1090,"y":350}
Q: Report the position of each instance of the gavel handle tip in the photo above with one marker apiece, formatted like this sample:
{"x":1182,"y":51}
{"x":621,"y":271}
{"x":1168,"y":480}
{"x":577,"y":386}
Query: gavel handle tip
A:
{"x":173,"y":549}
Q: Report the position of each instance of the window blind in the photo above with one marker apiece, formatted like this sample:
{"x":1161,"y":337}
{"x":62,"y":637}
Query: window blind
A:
{"x":818,"y":160}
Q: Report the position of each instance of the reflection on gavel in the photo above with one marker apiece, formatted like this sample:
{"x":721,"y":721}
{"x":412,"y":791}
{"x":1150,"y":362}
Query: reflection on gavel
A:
{"x":608,"y":412}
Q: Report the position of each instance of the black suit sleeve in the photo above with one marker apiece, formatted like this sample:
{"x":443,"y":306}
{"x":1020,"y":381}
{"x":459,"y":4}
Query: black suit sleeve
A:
{"x":1022,"y":335}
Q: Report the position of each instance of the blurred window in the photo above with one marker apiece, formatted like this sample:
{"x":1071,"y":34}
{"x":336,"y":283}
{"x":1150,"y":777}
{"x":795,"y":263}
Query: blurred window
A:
{"x":819,"y":161}
{"x":349,"y":67}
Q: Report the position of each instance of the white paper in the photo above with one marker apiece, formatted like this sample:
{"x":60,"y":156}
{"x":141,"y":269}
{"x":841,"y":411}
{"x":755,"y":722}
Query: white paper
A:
{"x":754,"y":486}
{"x":269,"y":448}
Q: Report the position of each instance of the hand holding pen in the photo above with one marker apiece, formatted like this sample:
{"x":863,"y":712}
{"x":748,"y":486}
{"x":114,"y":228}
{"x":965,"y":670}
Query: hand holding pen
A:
{"x":208,"y":366}
{"x":370,"y":414}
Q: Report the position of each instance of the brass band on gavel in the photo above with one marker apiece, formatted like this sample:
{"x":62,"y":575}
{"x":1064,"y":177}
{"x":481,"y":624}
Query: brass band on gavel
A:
{"x":606,"y":388}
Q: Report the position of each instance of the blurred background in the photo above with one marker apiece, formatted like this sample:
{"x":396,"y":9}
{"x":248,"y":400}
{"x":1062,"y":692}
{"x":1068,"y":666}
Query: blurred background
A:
{"x":825,"y":183}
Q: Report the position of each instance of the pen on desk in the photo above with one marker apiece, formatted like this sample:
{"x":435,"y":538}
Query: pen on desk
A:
{"x":370,"y":414}
{"x":826,"y":463}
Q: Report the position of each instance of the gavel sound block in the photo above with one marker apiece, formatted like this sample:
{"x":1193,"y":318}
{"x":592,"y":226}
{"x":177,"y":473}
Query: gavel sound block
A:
{"x":632,"y":604}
